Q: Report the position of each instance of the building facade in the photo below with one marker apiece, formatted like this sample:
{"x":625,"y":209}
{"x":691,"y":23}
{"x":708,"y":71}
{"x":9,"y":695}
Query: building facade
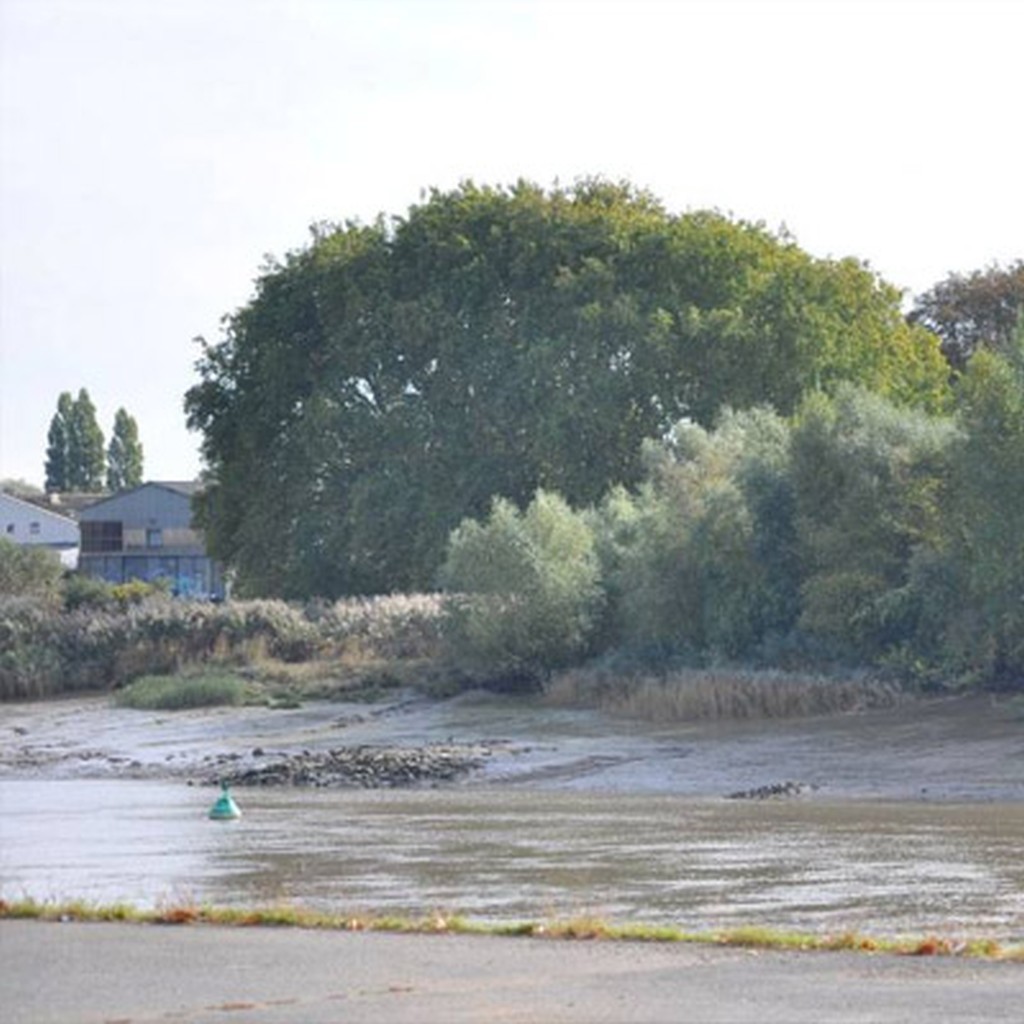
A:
{"x":147,"y":534}
{"x":24,"y":522}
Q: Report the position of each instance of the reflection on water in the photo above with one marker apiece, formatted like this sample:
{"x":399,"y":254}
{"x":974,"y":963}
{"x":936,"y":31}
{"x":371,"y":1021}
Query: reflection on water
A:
{"x":500,"y":853}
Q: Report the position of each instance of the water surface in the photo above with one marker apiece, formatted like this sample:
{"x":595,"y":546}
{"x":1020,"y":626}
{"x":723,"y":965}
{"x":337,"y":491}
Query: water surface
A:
{"x":510,"y":853}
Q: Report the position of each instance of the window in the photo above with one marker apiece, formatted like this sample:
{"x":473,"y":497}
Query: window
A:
{"x":99,"y":537}
{"x":33,"y":529}
{"x":154,"y":537}
{"x":10,"y":527}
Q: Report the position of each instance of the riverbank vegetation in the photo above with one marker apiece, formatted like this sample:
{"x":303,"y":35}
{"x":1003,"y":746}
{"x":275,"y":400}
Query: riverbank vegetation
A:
{"x":765,"y":565}
{"x":178,"y":692}
{"x":52,"y":642}
{"x":588,"y":928}
{"x":633,"y":458}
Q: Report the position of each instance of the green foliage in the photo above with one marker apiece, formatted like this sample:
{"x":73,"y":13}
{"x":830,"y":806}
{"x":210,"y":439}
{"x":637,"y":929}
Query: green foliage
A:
{"x":57,"y":445}
{"x":85,"y":454}
{"x":984,"y":568}
{"x":88,"y":592}
{"x":870,"y":482}
{"x":178,"y":693}
{"x":523,"y":589}
{"x":389,"y":380}
{"x":75,"y":458}
{"x":699,"y":563}
{"x":28,"y":570}
{"x":124,"y":454}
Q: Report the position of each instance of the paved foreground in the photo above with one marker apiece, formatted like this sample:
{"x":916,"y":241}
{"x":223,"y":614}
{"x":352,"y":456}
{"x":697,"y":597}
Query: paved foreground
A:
{"x":129,"y":974}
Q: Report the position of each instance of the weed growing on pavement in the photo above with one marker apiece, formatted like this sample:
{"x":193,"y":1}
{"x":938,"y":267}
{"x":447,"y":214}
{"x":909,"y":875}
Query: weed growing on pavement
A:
{"x":582,"y":928}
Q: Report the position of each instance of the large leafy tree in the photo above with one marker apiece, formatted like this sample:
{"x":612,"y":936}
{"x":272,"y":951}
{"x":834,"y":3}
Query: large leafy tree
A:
{"x":388,"y":380}
{"x":972,"y":311}
{"x":124,"y":453}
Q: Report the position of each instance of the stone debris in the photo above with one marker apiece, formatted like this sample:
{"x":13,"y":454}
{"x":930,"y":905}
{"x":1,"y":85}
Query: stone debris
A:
{"x":773,"y":791}
{"x":361,"y":767}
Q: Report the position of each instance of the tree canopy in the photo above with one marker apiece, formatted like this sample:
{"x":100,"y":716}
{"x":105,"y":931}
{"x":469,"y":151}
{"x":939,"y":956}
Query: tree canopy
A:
{"x":972,"y":311}
{"x":390,"y":379}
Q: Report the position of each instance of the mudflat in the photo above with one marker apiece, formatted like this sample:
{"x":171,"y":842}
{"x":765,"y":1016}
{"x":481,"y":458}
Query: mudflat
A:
{"x":965,"y":749}
{"x":88,"y":973}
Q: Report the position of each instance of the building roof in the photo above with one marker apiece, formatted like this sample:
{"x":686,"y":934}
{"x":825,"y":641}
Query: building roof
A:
{"x":35,"y":507}
{"x":185,"y":488}
{"x":67,"y":503}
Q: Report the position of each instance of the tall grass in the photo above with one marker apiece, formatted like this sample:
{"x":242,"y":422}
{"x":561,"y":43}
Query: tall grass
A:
{"x":46,"y":649}
{"x":176,"y":693}
{"x":710,"y":694}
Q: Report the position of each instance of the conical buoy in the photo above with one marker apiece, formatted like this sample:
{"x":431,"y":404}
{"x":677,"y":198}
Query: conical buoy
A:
{"x":225,"y":809}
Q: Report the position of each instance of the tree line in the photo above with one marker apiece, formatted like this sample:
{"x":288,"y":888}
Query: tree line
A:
{"x":76,"y":458}
{"x":389,"y":382}
{"x":855,"y":533}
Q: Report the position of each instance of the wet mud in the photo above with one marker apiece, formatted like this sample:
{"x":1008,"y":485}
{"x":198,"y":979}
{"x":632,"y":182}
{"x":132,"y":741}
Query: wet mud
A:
{"x":964,"y":749}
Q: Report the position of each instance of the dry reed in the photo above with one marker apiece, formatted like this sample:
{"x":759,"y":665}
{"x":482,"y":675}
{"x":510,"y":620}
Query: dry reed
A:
{"x":717,"y":694}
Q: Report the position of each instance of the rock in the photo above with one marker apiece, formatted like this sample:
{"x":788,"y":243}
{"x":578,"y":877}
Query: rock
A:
{"x":772,"y":791}
{"x":360,"y":767}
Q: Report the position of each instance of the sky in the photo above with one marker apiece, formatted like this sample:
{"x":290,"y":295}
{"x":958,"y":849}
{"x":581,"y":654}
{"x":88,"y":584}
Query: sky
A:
{"x":154,"y":152}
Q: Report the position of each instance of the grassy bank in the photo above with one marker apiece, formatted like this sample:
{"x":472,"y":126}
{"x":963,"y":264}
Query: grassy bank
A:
{"x":750,"y":937}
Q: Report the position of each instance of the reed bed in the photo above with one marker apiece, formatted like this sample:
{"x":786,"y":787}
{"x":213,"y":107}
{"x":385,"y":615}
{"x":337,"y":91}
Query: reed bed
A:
{"x":46,"y":649}
{"x":717,"y":694}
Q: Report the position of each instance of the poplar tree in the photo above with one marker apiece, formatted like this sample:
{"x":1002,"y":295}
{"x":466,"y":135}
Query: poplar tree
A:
{"x":75,"y":459}
{"x":124,"y":454}
{"x":57,"y":444}
{"x":86,"y":459}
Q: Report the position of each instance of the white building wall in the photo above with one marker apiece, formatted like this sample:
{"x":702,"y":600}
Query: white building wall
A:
{"x":25,"y":523}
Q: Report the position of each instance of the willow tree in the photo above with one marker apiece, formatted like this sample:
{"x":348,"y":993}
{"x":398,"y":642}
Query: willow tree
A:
{"x":388,"y":380}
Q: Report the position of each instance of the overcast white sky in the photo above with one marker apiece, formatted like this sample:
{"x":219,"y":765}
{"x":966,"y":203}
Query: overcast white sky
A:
{"x":153,"y":151}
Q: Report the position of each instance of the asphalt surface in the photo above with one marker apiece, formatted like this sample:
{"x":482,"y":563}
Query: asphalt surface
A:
{"x":129,"y":974}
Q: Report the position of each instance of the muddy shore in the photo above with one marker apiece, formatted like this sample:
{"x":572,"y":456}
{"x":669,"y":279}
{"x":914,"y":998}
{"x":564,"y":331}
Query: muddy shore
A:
{"x":962,"y":749}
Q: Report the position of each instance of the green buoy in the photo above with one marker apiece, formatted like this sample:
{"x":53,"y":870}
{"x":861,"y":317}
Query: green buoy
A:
{"x":225,"y":809}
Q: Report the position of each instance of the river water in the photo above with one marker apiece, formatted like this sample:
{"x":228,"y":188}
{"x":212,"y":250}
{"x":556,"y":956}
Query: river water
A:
{"x":616,"y":830}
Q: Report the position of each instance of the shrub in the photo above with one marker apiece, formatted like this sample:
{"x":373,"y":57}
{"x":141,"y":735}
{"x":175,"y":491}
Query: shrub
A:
{"x":523,"y":589}
{"x":28,"y":571}
{"x":388,"y":627}
{"x":871,"y":485}
{"x":700,"y":562}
